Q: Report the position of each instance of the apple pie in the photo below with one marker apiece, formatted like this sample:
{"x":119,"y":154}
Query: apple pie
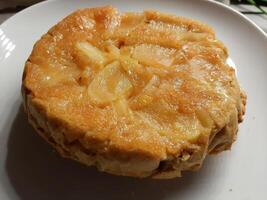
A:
{"x":135,"y":94}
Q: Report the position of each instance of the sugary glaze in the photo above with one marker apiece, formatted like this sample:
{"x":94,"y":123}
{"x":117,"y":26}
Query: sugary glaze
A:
{"x":138,"y":94}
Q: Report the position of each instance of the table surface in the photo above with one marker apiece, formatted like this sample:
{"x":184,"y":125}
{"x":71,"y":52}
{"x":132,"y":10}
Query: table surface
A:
{"x":260,"y":20}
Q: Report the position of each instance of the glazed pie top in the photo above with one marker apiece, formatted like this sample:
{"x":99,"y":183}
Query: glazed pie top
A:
{"x":139,"y":82}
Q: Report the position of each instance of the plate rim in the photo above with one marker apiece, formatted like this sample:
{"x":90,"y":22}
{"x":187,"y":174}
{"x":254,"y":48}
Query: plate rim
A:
{"x":226,"y":8}
{"x":219,"y":4}
{"x":236,"y":12}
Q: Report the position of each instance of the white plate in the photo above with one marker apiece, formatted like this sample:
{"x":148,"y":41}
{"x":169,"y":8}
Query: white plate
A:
{"x":29,"y":169}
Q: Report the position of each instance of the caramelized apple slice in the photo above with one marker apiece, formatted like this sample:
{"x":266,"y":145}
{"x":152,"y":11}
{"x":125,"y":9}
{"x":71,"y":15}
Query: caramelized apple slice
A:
{"x":132,"y":67}
{"x":86,"y":76}
{"x":113,"y":49}
{"x":147,"y":94}
{"x":154,"y":55}
{"x":189,"y":127}
{"x":109,"y":84}
{"x":88,"y":54}
{"x":113,"y":53}
{"x":122,"y":108}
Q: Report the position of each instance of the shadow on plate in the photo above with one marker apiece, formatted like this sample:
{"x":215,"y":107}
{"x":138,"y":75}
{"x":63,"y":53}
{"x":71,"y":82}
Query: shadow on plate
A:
{"x":37,"y":172}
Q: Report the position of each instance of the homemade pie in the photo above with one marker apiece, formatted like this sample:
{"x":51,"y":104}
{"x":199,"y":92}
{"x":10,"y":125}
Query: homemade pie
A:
{"x":136,"y":94}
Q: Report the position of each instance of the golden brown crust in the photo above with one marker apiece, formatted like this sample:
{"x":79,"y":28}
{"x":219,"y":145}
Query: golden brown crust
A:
{"x":137,"y":94}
